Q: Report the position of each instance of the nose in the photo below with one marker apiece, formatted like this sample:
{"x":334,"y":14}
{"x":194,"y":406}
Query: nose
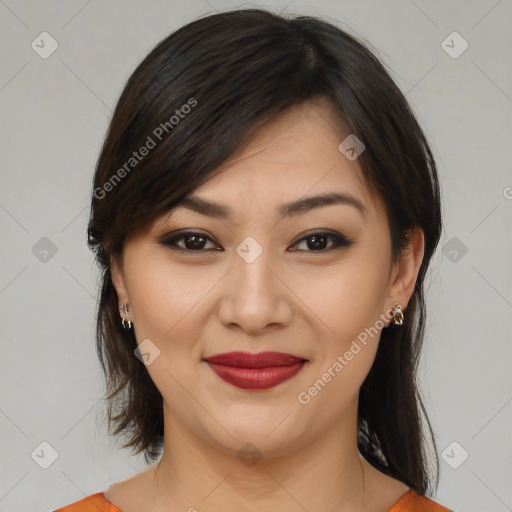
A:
{"x":256,"y":298}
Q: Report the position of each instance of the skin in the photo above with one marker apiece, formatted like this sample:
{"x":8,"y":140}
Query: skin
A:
{"x":308,"y":302}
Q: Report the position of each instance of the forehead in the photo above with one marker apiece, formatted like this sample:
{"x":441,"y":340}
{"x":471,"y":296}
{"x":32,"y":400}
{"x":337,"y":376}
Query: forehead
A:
{"x":292,"y":158}
{"x":294,"y":155}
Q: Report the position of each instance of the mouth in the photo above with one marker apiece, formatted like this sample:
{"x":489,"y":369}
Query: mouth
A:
{"x":255,"y":371}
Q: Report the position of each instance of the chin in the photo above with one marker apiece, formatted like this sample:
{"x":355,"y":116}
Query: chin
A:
{"x":255,"y":444}
{"x":268,"y":431}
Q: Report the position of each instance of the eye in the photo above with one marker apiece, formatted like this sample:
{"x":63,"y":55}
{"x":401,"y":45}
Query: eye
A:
{"x":315,"y":242}
{"x":193,"y":242}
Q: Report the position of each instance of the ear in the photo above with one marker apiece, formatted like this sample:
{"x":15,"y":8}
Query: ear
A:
{"x":118,"y":280}
{"x":405,"y":271}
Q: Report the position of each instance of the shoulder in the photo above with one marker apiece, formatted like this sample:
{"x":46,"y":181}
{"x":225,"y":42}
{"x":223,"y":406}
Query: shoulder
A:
{"x":93,"y":503}
{"x":386,"y":493}
{"x":411,"y":501}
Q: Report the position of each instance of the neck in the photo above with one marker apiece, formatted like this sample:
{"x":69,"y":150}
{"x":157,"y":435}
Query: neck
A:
{"x":194,"y":474}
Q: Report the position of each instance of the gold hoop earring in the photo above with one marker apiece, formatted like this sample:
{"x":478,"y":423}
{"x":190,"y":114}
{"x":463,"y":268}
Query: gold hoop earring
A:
{"x":125,"y":308}
{"x":127,"y":324}
{"x":398,"y":315}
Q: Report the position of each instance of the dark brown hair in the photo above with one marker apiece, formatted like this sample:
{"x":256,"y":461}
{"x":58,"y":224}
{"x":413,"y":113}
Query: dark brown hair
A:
{"x":192,"y":102}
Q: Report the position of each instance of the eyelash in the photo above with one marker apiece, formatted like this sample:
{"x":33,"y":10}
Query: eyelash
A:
{"x":339,"y":241}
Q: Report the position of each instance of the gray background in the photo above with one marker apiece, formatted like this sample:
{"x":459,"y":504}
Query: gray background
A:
{"x":54,"y":113}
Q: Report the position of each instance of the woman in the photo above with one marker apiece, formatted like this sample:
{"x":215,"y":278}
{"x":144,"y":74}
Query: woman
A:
{"x":264,"y":211}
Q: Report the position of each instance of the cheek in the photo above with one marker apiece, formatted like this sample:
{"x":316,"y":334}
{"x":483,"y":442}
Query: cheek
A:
{"x":163,"y":295}
{"x":349,"y":301}
{"x":351,"y":297}
{"x":166,"y":303}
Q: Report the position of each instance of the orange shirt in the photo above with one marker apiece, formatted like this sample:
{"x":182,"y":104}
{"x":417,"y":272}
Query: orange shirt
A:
{"x":409,"y":502}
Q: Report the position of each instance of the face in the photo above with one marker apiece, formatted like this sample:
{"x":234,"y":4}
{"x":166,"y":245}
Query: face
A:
{"x":314,"y":281}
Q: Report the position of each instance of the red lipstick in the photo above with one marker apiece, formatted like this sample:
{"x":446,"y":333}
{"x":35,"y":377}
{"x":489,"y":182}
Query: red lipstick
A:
{"x":255,"y":371}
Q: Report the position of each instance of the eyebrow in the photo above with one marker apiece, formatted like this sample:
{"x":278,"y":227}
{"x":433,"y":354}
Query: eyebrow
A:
{"x":294,"y":208}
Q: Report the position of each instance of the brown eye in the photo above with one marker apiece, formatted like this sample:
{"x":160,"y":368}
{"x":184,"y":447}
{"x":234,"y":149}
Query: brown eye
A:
{"x":318,"y":242}
{"x":189,"y":241}
{"x":314,"y":242}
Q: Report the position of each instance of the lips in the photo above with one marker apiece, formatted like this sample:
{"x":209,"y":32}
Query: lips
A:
{"x":255,"y":371}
